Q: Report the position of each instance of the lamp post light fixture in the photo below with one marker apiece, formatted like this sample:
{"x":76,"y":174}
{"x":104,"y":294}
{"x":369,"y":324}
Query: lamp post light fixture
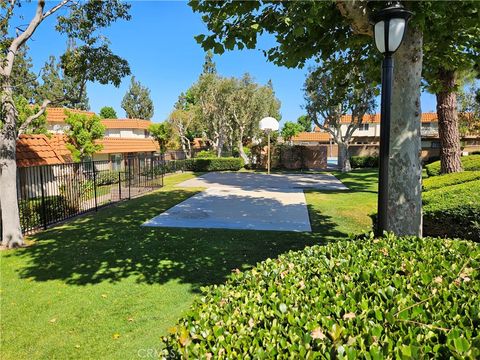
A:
{"x":390,"y":25}
{"x":268,"y":125}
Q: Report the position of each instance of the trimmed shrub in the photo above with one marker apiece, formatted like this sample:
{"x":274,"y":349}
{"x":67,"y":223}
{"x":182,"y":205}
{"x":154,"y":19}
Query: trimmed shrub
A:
{"x":214,"y":164}
{"x":364,"y":161}
{"x":469,"y":163}
{"x":205,"y":154}
{"x":441,"y":181}
{"x":106,"y":178}
{"x":453,"y":211}
{"x":371,"y":298}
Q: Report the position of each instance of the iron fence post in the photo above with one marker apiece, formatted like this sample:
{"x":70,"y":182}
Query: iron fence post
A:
{"x":119,"y":185}
{"x":95,"y":185}
{"x":44,"y":207}
{"x":129,"y":177}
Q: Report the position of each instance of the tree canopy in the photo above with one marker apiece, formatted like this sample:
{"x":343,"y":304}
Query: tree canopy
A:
{"x":290,"y":129}
{"x":62,"y":90}
{"x":137,"y":102}
{"x":305,"y":122}
{"x":108,"y":112}
{"x":82,"y":133}
{"x":162,"y":133}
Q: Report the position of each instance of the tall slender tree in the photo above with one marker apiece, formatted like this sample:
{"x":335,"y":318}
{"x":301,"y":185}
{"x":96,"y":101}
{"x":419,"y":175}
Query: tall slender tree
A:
{"x":92,"y":61}
{"x":24,"y":80}
{"x":305,"y":122}
{"x":137,"y":102}
{"x":332,"y":90}
{"x":63,"y":90}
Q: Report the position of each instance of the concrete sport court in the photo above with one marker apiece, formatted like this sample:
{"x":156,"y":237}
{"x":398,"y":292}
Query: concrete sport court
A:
{"x":247,"y":201}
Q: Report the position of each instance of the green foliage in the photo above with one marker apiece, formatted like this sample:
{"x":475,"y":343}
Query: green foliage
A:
{"x":469,"y":163}
{"x":23,"y":79}
{"x":61,"y":89}
{"x":290,"y":129}
{"x":108,"y":112}
{"x":209,"y":66}
{"x":214,"y":164}
{"x":305,"y":122}
{"x":106,"y":178}
{"x":162,"y":133}
{"x":450,"y":43}
{"x":340,"y":86}
{"x":205,"y":154}
{"x":370,"y":298}
{"x":25,"y":110}
{"x":442,"y":181}
{"x":364,"y":161}
{"x":82,"y":133}
{"x":453,"y":211}
{"x":33,"y":214}
{"x":137,"y":102}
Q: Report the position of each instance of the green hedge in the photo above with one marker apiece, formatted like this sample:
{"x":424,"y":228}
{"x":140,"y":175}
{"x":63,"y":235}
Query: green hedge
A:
{"x":364,"y":161}
{"x":441,"y":181}
{"x":215,"y":164}
{"x":398,"y":298}
{"x":453,"y":211}
{"x":469,"y":163}
{"x":205,"y":154}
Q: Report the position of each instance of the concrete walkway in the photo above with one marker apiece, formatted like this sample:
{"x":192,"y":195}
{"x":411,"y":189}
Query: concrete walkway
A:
{"x":247,"y":201}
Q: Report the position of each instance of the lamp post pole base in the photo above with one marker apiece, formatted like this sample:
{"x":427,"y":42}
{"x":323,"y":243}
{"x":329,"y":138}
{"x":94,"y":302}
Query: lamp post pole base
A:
{"x":382,"y":213}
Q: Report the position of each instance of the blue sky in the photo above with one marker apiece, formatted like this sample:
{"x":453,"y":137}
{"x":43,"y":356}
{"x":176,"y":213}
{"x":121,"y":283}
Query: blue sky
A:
{"x":163,"y":55}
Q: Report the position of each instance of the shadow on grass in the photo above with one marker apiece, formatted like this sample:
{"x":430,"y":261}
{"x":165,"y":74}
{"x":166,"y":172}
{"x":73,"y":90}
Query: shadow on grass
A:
{"x":110,"y":245}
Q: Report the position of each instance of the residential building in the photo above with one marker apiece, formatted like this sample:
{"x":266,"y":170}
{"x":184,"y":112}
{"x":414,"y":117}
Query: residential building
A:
{"x":124,"y":138}
{"x":366,"y":138}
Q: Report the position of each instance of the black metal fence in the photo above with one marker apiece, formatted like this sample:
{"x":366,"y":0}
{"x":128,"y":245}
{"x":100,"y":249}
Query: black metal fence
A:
{"x":53,"y":193}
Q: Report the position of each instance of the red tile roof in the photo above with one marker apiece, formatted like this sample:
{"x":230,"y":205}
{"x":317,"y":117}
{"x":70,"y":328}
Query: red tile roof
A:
{"x":126,"y":123}
{"x":312,"y":136}
{"x":55,"y":114}
{"x":33,"y":150}
{"x":113,"y":145}
{"x":375,"y":119}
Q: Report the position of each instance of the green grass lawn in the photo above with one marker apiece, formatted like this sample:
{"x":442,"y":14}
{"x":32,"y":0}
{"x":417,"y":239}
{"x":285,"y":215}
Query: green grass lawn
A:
{"x":102,"y":287}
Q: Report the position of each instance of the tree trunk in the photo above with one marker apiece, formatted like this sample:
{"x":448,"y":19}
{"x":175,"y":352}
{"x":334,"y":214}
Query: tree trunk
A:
{"x":405,"y":170}
{"x":240,"y":146}
{"x":448,"y":123}
{"x":11,"y":230}
{"x":220,"y":144}
{"x":343,"y":158}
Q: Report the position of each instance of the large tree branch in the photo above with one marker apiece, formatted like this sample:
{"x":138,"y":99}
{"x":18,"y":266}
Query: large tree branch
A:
{"x":356,"y":12}
{"x":32,"y":118}
{"x":39,"y":16}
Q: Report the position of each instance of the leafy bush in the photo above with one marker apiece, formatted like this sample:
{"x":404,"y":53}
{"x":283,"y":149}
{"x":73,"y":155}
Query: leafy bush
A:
{"x":371,"y":298}
{"x":441,"y":181}
{"x":33,"y":215}
{"x":216,"y":164}
{"x":364,"y":161}
{"x":453,"y":211}
{"x":469,"y":163}
{"x":106,"y":178}
{"x":205,"y":154}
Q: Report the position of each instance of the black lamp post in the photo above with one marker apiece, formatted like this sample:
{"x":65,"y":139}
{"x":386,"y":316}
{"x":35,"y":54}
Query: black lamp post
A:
{"x":390,"y":25}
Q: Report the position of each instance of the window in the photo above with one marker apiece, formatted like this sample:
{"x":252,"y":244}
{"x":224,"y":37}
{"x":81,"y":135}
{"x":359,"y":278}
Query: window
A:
{"x":435,"y":145}
{"x":363,"y":127}
{"x":116,"y":160}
